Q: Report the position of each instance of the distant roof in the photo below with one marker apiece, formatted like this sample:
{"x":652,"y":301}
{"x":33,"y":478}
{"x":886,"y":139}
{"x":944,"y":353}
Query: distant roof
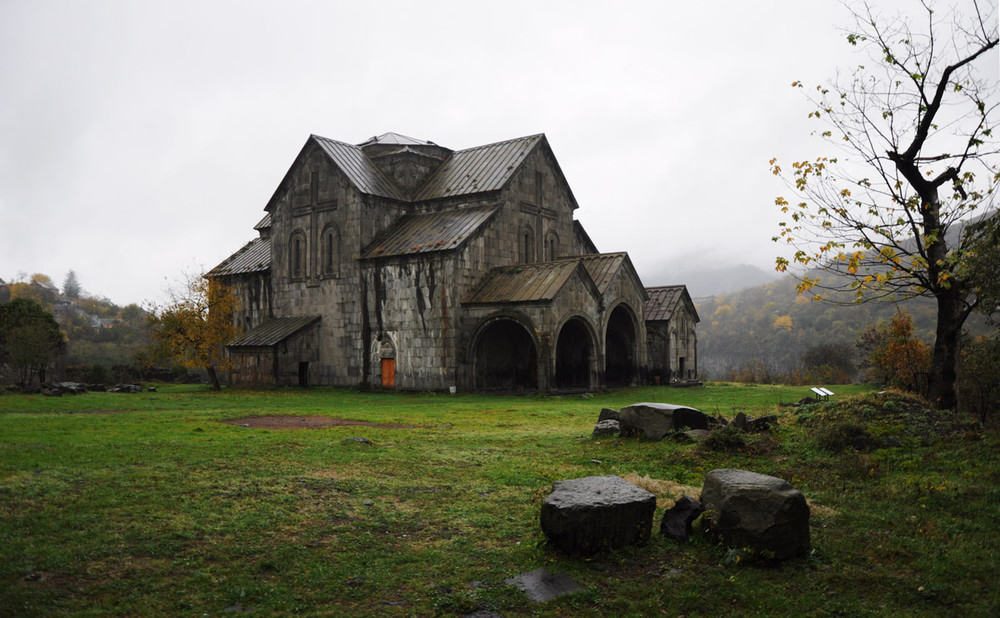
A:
{"x":273,"y":332}
{"x":438,"y":231}
{"x":264,"y":223}
{"x":664,"y":300}
{"x":255,"y":256}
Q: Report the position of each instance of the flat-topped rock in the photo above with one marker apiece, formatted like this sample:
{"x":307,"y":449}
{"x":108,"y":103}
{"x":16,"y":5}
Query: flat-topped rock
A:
{"x":754,"y":510}
{"x":653,"y":421}
{"x":596,"y":513}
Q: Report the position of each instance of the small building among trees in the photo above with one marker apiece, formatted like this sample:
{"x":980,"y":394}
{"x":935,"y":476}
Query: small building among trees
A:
{"x":403,"y":264}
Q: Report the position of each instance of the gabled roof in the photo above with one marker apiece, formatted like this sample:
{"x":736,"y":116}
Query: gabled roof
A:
{"x":273,"y":332}
{"x":603,"y":267}
{"x":479,"y":169}
{"x":255,"y":256}
{"x":358,"y":168}
{"x":541,"y":281}
{"x":423,"y":233}
{"x":525,"y":282}
{"x":464,"y":172}
{"x":664,"y":300}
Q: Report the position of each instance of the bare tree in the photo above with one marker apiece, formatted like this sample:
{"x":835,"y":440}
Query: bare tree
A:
{"x":915,"y":129}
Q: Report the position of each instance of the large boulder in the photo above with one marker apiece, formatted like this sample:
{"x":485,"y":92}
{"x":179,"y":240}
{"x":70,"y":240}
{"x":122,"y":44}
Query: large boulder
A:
{"x":653,"y":421}
{"x":756,"y":511}
{"x":596,"y":513}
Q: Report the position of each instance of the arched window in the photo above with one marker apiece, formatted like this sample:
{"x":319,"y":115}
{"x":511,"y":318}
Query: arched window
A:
{"x":551,"y":246}
{"x":331,"y":251}
{"x":297,"y":255}
{"x":526,"y":244}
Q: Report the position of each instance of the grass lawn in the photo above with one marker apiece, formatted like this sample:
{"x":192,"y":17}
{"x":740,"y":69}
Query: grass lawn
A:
{"x":154,"y":504}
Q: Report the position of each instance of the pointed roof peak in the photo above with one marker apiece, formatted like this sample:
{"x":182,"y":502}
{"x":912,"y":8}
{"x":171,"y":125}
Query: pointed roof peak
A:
{"x":397,"y":139}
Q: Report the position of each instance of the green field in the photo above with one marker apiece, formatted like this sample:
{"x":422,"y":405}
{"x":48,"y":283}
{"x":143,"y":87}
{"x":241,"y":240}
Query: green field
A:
{"x":151,"y":504}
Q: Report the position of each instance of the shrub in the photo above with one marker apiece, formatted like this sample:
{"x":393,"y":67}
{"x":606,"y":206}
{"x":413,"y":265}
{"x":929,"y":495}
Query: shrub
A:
{"x":839,"y":437}
{"x":979,"y":377}
{"x":892,"y":356}
{"x":726,"y":438}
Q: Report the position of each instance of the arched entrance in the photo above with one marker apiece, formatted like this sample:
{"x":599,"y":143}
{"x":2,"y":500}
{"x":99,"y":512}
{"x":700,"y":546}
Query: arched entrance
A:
{"x":506,"y":357}
{"x":619,"y":348}
{"x":574,"y":350}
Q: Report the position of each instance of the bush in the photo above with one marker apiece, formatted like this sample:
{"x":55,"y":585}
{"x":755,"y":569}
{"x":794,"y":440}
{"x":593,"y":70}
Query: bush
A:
{"x":892,"y":356}
{"x":839,"y":437}
{"x":726,"y":438}
{"x":755,"y":372}
{"x":979,"y":377}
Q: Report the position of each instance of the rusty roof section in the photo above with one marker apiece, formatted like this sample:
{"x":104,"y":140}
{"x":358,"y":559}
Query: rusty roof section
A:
{"x":664,"y":300}
{"x":255,"y":256}
{"x":479,"y":169}
{"x":524,"y":283}
{"x":424,"y":233}
{"x":273,"y":332}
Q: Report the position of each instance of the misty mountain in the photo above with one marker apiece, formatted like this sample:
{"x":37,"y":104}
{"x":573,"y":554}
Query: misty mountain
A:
{"x":773,"y":324}
{"x":711,"y":279}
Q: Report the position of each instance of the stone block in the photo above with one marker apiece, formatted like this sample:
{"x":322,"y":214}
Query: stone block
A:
{"x":756,"y":511}
{"x":597,"y":513}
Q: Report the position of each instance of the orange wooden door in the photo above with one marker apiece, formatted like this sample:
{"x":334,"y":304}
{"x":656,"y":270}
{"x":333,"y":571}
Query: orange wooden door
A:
{"x":388,"y":372}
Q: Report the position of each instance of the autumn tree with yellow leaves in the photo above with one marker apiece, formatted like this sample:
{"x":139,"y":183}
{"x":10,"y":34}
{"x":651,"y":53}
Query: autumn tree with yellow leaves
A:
{"x":195,"y":325}
{"x":914,"y":129}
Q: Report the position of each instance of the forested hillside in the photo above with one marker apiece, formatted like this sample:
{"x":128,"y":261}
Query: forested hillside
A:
{"x":773,"y":325}
{"x":100,"y":336}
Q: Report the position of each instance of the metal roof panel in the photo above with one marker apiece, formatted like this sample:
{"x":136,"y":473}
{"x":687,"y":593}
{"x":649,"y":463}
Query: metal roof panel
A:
{"x":358,"y":168}
{"x":255,"y":256}
{"x":663,"y":301}
{"x":522,"y":283}
{"x":273,"y":332}
{"x":479,"y":169}
{"x":424,"y":233}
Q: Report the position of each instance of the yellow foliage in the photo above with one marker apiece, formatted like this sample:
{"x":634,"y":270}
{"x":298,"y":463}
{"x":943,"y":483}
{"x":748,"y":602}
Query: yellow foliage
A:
{"x":196,"y":325}
{"x":783,"y":322}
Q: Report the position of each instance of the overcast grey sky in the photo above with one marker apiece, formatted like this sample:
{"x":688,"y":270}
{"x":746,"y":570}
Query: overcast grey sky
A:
{"x":139,"y":139}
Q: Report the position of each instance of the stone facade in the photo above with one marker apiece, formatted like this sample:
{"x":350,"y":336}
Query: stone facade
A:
{"x":426,"y":268}
{"x":672,"y":339}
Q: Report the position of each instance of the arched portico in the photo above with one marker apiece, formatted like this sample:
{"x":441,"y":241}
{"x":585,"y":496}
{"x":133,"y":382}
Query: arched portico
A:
{"x":575,"y":355}
{"x":505,"y":356}
{"x":620,"y":351}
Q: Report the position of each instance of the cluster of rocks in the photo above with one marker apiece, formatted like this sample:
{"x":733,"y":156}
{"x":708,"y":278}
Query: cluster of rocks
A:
{"x":58,"y":389}
{"x":656,"y":421}
{"x":744,"y":510}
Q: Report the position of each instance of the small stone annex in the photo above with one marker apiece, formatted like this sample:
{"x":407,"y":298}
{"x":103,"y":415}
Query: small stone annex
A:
{"x":403,"y":264}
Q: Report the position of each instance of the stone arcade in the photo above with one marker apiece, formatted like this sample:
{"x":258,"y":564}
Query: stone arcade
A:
{"x":403,"y":264}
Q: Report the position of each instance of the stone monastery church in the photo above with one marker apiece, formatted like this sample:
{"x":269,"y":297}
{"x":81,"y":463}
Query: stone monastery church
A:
{"x":403,"y":264}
